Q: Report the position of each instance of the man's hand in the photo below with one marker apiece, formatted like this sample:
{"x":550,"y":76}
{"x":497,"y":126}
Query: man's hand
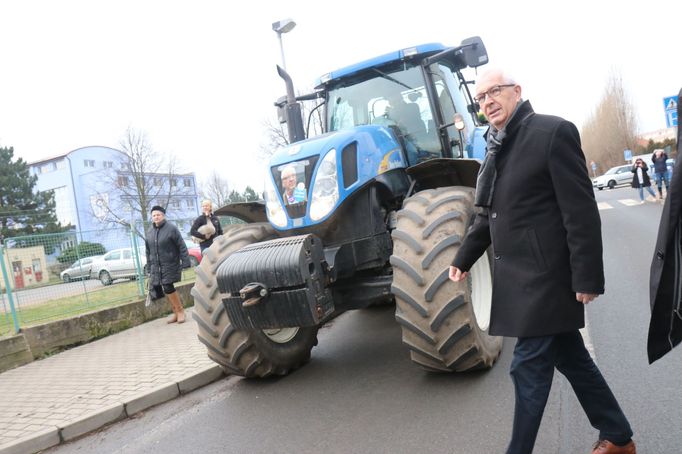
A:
{"x":456,"y":274}
{"x":585,"y":298}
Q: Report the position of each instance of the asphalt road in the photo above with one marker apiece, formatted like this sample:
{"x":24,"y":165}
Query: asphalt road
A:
{"x":361,"y":394}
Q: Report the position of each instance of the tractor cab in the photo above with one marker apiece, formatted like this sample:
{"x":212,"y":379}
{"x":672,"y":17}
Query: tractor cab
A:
{"x":416,"y":96}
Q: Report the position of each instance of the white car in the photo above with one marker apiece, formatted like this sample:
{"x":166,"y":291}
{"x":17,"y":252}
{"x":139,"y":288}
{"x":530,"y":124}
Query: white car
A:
{"x":81,"y":269}
{"x":118,"y":264}
{"x":613,"y":177}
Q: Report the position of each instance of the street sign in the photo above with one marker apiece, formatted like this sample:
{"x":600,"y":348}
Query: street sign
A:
{"x":670,"y":107}
{"x":627,"y":154}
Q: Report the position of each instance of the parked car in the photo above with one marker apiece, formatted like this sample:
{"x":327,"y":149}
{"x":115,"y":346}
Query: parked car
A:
{"x":194,"y":252}
{"x":117,"y":264}
{"x":80,"y":269}
{"x":613,"y":177}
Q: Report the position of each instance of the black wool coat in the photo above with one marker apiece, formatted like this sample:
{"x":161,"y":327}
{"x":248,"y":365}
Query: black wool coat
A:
{"x":166,"y":254}
{"x":665,"y":281}
{"x":544,"y":228}
{"x":646,"y":181}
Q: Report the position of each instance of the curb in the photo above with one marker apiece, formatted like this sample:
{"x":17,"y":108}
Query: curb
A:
{"x":100,"y":418}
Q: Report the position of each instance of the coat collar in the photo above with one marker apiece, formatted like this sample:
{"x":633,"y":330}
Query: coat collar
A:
{"x":523,"y":111}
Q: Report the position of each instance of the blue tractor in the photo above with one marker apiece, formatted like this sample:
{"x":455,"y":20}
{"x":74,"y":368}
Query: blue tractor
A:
{"x":372,"y":211}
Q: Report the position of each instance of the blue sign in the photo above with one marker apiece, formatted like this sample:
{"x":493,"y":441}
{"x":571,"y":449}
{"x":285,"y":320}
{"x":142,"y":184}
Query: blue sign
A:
{"x":670,"y":106}
{"x":627,"y":154}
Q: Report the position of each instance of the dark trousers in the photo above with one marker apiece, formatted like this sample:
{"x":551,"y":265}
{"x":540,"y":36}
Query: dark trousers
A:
{"x":532,"y":370}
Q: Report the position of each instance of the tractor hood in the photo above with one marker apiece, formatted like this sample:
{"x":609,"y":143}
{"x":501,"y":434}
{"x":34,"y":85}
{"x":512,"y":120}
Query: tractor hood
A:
{"x":379,"y":137}
{"x":309,"y":179}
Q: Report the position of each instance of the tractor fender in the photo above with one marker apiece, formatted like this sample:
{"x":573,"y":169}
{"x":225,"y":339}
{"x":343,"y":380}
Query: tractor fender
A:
{"x":248,"y":212}
{"x":442,"y":172}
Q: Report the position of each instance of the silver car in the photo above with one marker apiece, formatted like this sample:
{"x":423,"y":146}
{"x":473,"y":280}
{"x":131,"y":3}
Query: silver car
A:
{"x":613,"y":177}
{"x":80,"y":269}
{"x":118,"y":264}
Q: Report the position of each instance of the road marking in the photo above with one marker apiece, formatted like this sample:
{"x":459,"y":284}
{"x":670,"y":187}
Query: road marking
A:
{"x":629,"y":202}
{"x":604,"y":206}
{"x":585,"y":332}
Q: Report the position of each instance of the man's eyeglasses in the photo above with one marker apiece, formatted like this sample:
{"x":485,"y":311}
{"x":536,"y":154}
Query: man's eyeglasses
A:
{"x":494,"y":92}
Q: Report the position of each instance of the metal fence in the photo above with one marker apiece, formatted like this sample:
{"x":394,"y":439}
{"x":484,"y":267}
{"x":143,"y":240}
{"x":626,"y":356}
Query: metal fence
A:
{"x":52,"y":276}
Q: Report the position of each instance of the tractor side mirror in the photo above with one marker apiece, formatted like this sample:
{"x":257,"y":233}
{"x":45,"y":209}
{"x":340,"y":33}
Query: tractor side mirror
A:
{"x":474,"y":52}
{"x":281,"y":109}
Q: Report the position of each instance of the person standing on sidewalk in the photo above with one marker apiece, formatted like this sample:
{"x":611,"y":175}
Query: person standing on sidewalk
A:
{"x":538,"y":211}
{"x":659,"y":158}
{"x":206,"y":227}
{"x":166,"y":257}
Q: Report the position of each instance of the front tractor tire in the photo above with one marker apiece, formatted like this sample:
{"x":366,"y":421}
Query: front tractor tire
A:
{"x":252,"y":353}
{"x":444,"y":324}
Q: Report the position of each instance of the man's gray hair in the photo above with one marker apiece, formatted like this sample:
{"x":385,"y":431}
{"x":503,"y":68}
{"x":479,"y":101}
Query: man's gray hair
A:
{"x":506,"y":77}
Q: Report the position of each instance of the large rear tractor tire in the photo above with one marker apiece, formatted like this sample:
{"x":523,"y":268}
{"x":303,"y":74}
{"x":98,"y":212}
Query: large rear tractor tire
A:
{"x":258,"y":353}
{"x":444,"y":324}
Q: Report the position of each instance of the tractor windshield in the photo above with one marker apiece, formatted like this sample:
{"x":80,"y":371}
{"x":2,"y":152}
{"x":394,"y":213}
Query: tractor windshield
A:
{"x":397,"y":99}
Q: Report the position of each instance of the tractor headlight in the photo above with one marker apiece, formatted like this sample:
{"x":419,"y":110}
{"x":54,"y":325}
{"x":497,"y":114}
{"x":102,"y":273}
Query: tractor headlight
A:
{"x":273,"y":203}
{"x":325,"y":188}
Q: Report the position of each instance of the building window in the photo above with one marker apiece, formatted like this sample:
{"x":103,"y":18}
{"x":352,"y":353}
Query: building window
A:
{"x":45,"y":168}
{"x":157,"y":181}
{"x":190,"y":203}
{"x":188,"y":182}
{"x":173,"y":182}
{"x":61,"y":164}
{"x":175,"y":203}
{"x":122,"y":181}
{"x":89,"y":163}
{"x":108,"y":164}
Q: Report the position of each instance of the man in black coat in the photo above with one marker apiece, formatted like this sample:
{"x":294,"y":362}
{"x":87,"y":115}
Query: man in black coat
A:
{"x":539,"y":214}
{"x":665,"y":327}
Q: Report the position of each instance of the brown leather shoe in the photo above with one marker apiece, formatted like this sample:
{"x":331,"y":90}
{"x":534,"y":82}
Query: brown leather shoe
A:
{"x":606,"y":447}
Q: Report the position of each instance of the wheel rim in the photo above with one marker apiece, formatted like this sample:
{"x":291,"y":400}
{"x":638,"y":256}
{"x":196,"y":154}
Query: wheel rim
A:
{"x":281,"y":335}
{"x":480,"y":281}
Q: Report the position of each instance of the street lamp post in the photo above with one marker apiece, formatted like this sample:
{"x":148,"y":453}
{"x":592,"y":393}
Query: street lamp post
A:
{"x":283,"y":26}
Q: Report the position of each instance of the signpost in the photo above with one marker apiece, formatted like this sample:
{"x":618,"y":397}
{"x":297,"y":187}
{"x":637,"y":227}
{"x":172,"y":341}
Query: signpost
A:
{"x":627,"y":154}
{"x":670,"y":107}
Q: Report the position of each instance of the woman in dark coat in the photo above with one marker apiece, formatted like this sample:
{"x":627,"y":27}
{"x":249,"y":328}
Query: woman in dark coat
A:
{"x":665,"y":327}
{"x":206,"y":227}
{"x":166,"y":257}
{"x":640,"y":179}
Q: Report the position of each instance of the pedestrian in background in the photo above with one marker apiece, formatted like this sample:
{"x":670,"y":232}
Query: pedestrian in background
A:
{"x":640,"y":179}
{"x":659,"y":158}
{"x":206,"y":227}
{"x":166,"y":257}
{"x":539,"y":214}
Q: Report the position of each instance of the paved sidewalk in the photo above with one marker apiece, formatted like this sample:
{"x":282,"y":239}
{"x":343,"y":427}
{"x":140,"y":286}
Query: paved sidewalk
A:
{"x":74,"y":392}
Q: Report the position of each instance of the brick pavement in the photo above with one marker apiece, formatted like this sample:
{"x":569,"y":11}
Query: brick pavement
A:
{"x":71,"y":393}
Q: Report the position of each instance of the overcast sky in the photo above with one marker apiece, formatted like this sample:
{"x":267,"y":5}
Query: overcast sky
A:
{"x":199,"y":76}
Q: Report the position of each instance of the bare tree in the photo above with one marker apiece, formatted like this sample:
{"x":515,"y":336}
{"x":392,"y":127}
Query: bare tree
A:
{"x":612,"y":127}
{"x":141,"y":179}
{"x":216,"y":189}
